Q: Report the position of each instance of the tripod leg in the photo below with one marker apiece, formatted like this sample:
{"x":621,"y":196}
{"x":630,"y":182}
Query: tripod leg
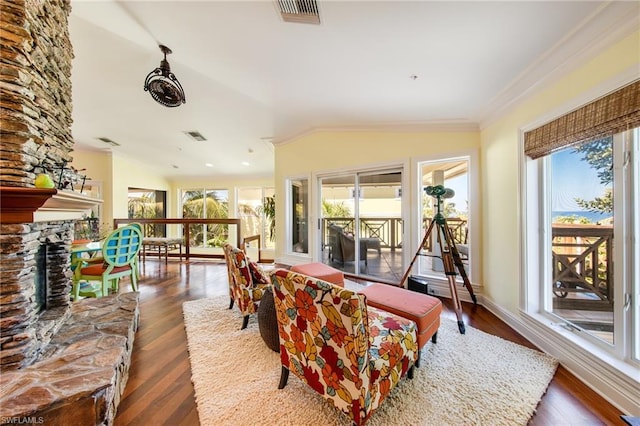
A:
{"x":450,"y":272}
{"x":424,"y":241}
{"x":463,"y":274}
{"x":457,"y":260}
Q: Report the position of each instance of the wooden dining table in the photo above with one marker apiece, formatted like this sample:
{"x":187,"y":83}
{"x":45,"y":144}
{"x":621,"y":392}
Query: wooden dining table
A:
{"x":79,"y":250}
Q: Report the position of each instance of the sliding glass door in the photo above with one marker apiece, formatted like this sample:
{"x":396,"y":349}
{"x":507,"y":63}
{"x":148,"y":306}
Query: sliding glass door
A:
{"x":361,"y":223}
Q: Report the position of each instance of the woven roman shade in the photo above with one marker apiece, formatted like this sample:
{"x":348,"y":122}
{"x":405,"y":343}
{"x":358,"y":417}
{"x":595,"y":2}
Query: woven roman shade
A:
{"x":613,"y":113}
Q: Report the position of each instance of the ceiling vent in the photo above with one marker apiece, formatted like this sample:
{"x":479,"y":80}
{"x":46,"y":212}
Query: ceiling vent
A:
{"x":195,"y":135}
{"x":109,"y":141}
{"x":300,"y":11}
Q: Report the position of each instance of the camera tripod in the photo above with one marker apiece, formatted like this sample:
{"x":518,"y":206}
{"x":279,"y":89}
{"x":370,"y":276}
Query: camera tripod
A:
{"x":449,"y":253}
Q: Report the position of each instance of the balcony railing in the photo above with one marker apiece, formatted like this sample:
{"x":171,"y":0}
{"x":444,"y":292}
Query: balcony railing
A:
{"x":227,"y":229}
{"x":458,"y":227}
{"x":583,"y":267}
{"x":387,"y":229}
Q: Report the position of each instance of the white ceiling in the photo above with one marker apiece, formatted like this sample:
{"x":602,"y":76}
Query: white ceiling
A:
{"x":250,"y":78}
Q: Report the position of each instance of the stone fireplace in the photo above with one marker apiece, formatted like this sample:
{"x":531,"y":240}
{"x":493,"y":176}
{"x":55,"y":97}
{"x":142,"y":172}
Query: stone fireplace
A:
{"x":28,"y":323}
{"x":62,"y":362}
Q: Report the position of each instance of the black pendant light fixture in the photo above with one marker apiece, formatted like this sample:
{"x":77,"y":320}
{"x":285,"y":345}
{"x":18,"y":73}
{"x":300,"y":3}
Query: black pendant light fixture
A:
{"x":163,"y":84}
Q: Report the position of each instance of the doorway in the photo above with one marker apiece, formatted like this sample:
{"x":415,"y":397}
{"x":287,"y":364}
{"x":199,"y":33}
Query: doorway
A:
{"x":361,"y":225}
{"x":452,"y":174}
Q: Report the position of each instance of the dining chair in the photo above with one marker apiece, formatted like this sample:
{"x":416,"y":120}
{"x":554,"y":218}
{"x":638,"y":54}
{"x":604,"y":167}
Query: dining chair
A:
{"x":120,"y":251}
{"x":136,"y":261}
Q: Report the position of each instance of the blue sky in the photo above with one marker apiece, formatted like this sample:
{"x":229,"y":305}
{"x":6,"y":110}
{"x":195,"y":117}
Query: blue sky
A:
{"x":459,"y":185}
{"x":572,"y":178}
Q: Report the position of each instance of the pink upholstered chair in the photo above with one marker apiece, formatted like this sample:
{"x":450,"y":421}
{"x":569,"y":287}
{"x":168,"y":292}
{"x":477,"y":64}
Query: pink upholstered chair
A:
{"x":351,"y":354}
{"x":247,"y":282}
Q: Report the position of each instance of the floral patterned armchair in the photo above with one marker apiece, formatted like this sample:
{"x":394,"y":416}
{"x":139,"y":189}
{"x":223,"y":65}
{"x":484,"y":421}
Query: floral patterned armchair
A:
{"x":351,"y":354}
{"x":247,"y":282}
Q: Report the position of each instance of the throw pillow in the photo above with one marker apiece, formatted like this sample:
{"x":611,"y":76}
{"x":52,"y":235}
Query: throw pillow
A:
{"x":257,"y":274}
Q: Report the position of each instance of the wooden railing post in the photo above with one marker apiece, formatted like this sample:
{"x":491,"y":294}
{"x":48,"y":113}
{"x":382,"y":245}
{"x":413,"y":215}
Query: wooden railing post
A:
{"x":187,"y":239}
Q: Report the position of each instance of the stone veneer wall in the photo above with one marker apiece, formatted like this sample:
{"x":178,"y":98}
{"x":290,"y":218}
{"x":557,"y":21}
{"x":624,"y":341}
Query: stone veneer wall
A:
{"x":70,"y":363}
{"x":24,"y":331}
{"x":35,"y":130}
{"x":35,"y":88}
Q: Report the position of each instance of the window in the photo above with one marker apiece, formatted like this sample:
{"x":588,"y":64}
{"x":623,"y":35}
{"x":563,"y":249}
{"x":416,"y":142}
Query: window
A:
{"x":206,"y":204}
{"x":588,"y":251}
{"x":253,"y":209}
{"x":148,"y":204}
{"x":582,"y":227}
{"x":298,"y":217}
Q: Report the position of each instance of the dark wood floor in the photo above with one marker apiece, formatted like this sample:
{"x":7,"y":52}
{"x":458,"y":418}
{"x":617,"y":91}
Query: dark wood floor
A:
{"x":160,"y":392}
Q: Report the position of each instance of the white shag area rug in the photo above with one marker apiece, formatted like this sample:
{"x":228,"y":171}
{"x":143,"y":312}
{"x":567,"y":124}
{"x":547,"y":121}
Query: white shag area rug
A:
{"x":470,"y":379}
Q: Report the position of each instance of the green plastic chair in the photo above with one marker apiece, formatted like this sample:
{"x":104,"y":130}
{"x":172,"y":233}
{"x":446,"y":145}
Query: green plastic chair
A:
{"x":136,"y":263}
{"x":120,"y":253}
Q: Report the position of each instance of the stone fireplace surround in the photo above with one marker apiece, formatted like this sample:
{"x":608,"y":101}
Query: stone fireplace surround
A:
{"x":66,"y":364}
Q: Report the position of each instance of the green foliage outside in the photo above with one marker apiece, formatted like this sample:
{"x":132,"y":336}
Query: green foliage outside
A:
{"x":196,"y":206}
{"x":268,"y":208}
{"x":573,"y":219}
{"x":331,"y":209}
{"x":599,"y":155}
{"x":449,"y":209}
{"x":212,"y":208}
{"x":144,"y":207}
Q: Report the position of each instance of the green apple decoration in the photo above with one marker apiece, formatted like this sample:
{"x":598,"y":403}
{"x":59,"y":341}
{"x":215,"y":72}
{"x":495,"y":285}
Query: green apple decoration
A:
{"x":44,"y":181}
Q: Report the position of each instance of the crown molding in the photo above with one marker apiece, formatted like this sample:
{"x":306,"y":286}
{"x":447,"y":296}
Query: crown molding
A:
{"x":609,"y":24}
{"x":390,"y":127}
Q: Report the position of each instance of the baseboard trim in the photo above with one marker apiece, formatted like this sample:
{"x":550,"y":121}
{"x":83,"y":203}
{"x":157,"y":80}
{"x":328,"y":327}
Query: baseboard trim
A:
{"x":618,"y":386}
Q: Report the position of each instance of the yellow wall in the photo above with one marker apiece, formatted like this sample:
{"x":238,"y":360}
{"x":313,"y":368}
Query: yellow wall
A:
{"x":332,"y":150}
{"x":128,"y":173}
{"x":500,"y":154}
{"x":116,"y":174}
{"x":98,"y":168}
{"x":326,"y":151}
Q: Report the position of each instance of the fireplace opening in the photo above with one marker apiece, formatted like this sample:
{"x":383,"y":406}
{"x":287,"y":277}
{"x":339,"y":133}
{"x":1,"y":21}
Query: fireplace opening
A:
{"x":40,"y":279}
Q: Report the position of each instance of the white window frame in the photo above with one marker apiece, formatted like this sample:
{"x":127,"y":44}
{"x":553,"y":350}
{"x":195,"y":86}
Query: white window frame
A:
{"x":474,"y":224}
{"x":264,"y":190}
{"x":609,"y":370}
{"x":290,"y":256}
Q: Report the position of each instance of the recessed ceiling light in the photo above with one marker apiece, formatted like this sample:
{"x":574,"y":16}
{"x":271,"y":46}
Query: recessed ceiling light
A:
{"x":208,"y":165}
{"x":245,"y":163}
{"x":413,"y":77}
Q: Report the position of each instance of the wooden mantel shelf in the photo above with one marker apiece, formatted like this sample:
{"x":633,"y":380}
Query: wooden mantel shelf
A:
{"x":27,"y":205}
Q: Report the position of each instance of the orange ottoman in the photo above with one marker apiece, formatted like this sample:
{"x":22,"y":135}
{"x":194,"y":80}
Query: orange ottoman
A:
{"x":420,"y":308}
{"x":321,"y":271}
